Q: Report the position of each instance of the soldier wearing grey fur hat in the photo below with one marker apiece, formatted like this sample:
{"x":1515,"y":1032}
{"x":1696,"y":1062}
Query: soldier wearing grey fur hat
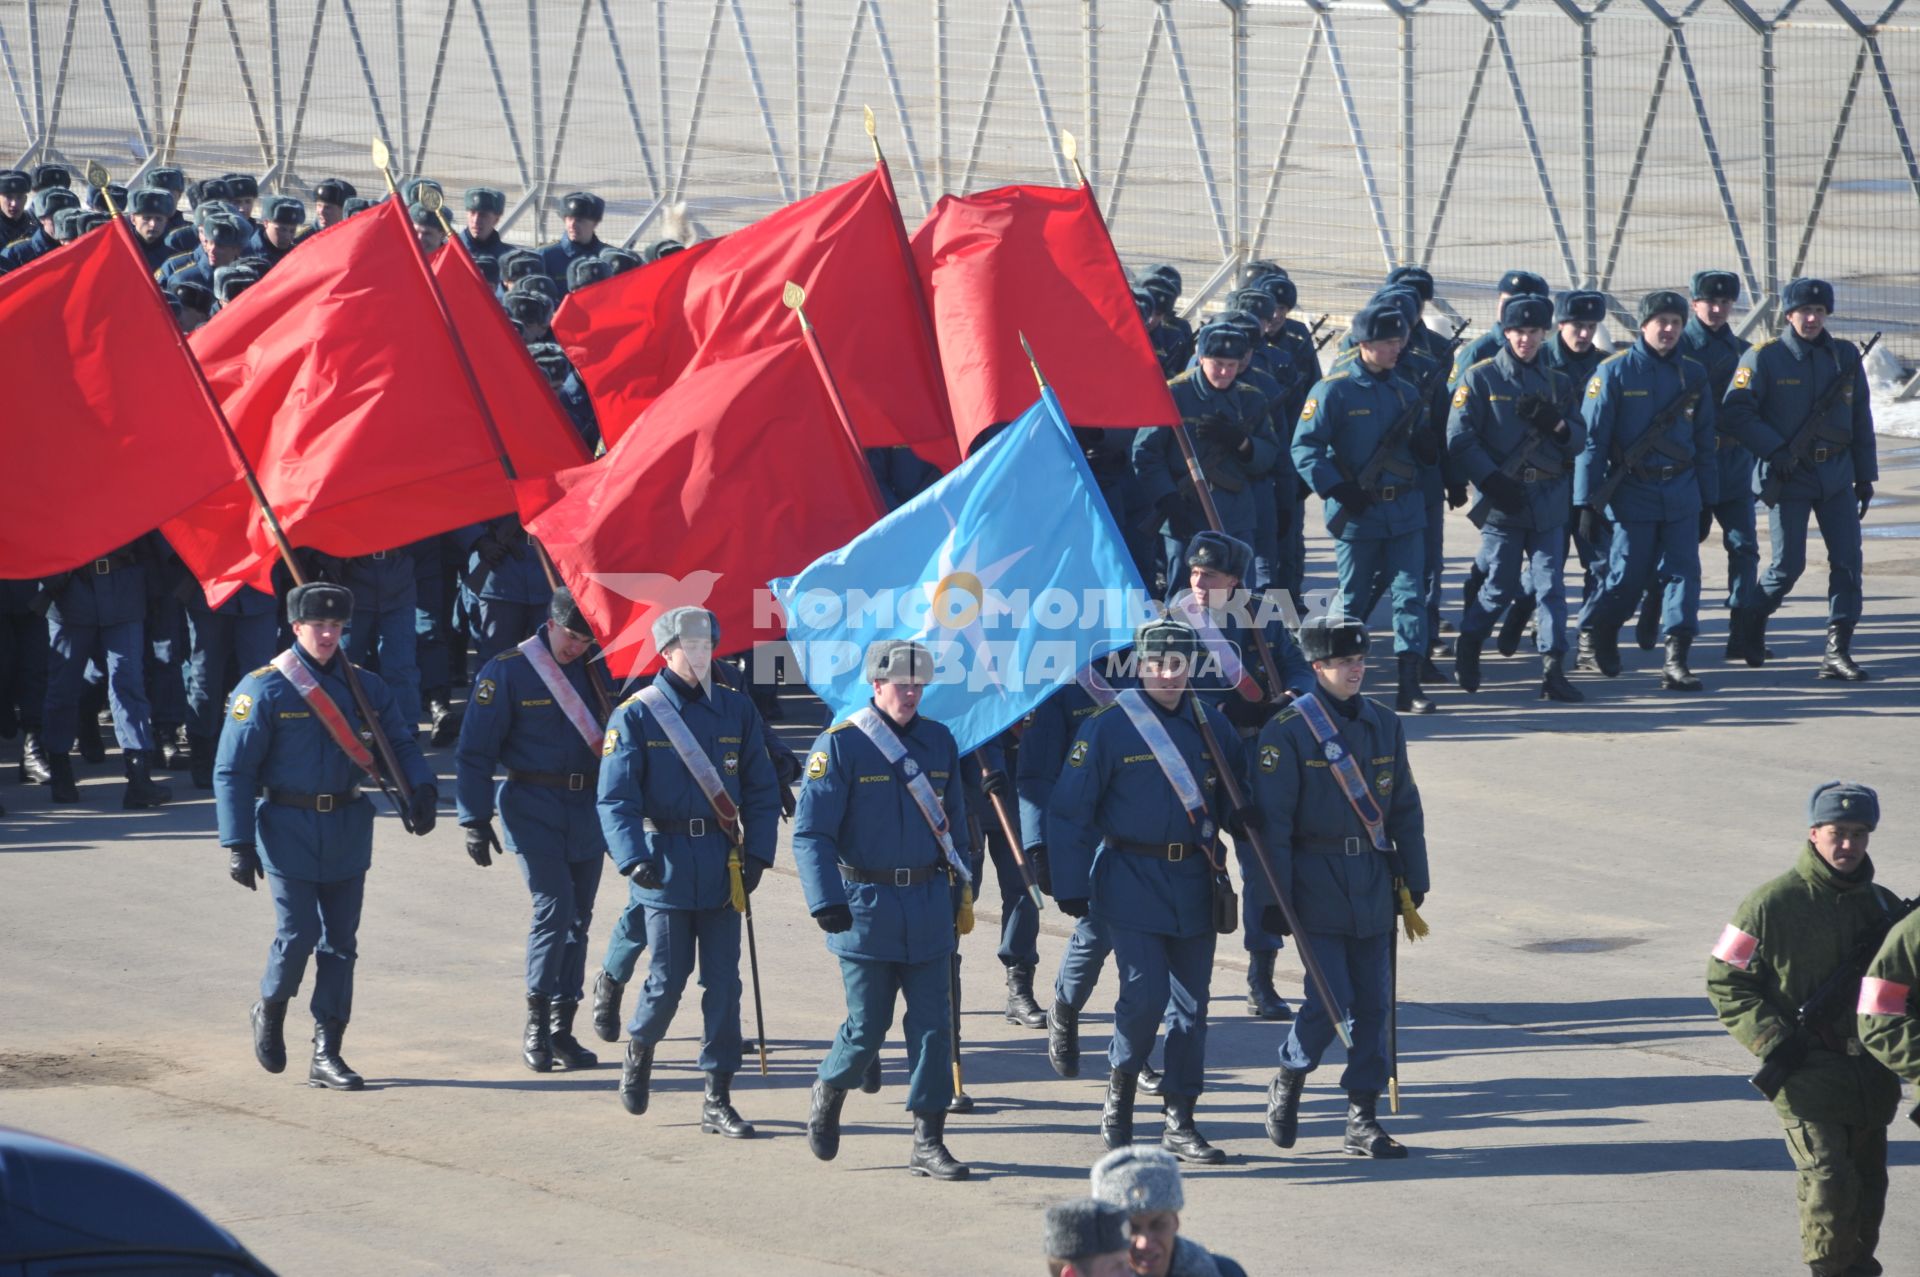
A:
{"x":485,"y":206}
{"x":15,"y":221}
{"x":874,"y":843}
{"x":1086,"y":1238}
{"x":1835,"y":1100}
{"x":148,"y":210}
{"x":46,"y":204}
{"x":281,"y":217}
{"x":685,"y":785}
{"x":1710,"y":339}
{"x":428,"y":229}
{"x":1801,"y":404}
{"x":582,"y":213}
{"x":222,"y":240}
{"x":330,"y":196}
{"x":1144,"y":1181}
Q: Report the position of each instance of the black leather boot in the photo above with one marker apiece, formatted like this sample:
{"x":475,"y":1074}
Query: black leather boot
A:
{"x":1183,"y":1139}
{"x":1739,"y":624}
{"x":329,"y":1070}
{"x":1674,"y":675}
{"x":568,"y":1054}
{"x":93,"y":746}
{"x":1554,"y":685}
{"x":269,"y":1034}
{"x":200,"y":761}
{"x":1466,"y":661}
{"x":636,"y":1077}
{"x":606,"y":1006}
{"x":1646,"y":630}
{"x":1063,"y":1038}
{"x":870,"y":1080}
{"x":717,"y":1115}
{"x":1283,"y":1107}
{"x":1364,"y":1136}
{"x":1431,"y":674}
{"x":142,"y":789}
{"x":1116,"y":1116}
{"x":1410,"y":699}
{"x":1838,"y":663}
{"x":172,"y":753}
{"x":445,"y":719}
{"x":1514,"y":627}
{"x":1021,"y":1008}
{"x":33,"y":760}
{"x":1151,"y":1080}
{"x":1602,"y":644}
{"x":1263,"y":1000}
{"x":1758,"y":653}
{"x":62,"y":788}
{"x":537,"y":1050}
{"x":823,"y":1120}
{"x":930,"y":1156}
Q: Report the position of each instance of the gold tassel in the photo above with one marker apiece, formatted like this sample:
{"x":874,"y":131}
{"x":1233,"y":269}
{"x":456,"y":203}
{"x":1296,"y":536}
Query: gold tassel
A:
{"x":736,"y":882}
{"x":1417,"y":928}
{"x":964,"y":923}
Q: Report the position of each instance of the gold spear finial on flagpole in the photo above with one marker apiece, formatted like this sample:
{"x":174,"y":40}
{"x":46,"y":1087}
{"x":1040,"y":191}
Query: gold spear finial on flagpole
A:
{"x":873,"y":135}
{"x":1070,"y":147}
{"x":97,"y":177}
{"x":1032,"y":362}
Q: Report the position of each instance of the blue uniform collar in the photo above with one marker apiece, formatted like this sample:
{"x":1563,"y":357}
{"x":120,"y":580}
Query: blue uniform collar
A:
{"x":898,"y":729}
{"x":1508,"y":364}
{"x":1799,"y":347}
{"x":682,"y":691}
{"x":1640,"y":344}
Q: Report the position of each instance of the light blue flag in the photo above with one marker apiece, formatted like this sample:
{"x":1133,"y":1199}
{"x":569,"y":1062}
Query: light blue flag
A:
{"x":1010,"y":569}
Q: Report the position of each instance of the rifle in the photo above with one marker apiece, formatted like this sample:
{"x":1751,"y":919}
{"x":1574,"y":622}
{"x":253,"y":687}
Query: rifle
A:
{"x":1521,"y":459}
{"x":1781,"y":1062}
{"x":1315,"y":330}
{"x":1801,"y":447}
{"x":1656,"y":432}
{"x":1400,"y":430}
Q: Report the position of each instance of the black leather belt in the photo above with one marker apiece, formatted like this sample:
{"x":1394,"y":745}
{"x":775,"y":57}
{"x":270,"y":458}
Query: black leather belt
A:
{"x":893,"y":877}
{"x":1827,"y":451}
{"x":1389,"y":492}
{"x":112,"y":562}
{"x":1351,"y":845}
{"x":312,"y":802}
{"x":573,"y":782}
{"x":1171,"y":852}
{"x":1538,"y":474}
{"x":695,"y":828}
{"x":1658,"y":474}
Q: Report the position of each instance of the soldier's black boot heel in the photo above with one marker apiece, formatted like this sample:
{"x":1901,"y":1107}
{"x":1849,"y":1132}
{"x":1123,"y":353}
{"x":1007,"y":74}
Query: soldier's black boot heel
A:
{"x":1116,"y":1116}
{"x":1283,"y":1107}
{"x":1364,"y":1136}
{"x":329,"y":1070}
{"x":717,"y":1114}
{"x":823,"y":1120}
{"x":1183,"y":1139}
{"x":930,"y":1156}
{"x":269,"y":1021}
{"x":567,"y":1052}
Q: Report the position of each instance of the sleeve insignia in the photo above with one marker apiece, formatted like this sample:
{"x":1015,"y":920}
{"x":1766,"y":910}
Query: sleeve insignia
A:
{"x":483,"y":692}
{"x":1312,"y":406}
{"x":1460,"y":397}
{"x":611,"y":743}
{"x":242,"y":706}
{"x":1742,"y":377}
{"x":1269,"y":758}
{"x":1593,"y":387}
{"x":1077,"y":756}
{"x":817,"y":764}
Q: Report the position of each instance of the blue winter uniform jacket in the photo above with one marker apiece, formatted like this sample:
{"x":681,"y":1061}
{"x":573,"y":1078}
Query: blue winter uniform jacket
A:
{"x":643,"y":779}
{"x":1112,"y":788}
{"x":1296,"y":675}
{"x":513,"y":723}
{"x":1235,"y":479}
{"x":1307,"y":821}
{"x":1485,"y":346}
{"x":272,"y":740}
{"x":1625,"y":394}
{"x":1424,"y":370}
{"x":1045,"y":735}
{"x":1719,"y":351}
{"x":1484,"y":430}
{"x":518,"y":578}
{"x":1344,"y":419}
{"x":854,"y":809}
{"x":1773,"y":391}
{"x":559,"y":255}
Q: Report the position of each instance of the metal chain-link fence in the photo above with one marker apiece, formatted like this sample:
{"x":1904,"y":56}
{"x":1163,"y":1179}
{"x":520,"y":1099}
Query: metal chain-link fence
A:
{"x":1620,"y":146}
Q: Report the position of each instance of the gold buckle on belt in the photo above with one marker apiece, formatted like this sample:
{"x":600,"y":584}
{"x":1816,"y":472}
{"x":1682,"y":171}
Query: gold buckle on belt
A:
{"x":323,"y":802}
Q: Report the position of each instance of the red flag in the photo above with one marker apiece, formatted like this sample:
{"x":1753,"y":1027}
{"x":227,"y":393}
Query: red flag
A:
{"x":109,"y":431}
{"x":344,"y":387}
{"x":698,"y":505}
{"x":1038,"y":260}
{"x":635,"y":335}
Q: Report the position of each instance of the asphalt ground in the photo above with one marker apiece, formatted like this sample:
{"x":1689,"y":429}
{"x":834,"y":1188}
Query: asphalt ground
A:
{"x":1571,"y":1102}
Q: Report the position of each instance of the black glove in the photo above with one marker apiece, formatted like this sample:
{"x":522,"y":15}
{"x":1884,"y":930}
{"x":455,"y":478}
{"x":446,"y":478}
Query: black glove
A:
{"x":1170,"y":506}
{"x":1241,"y":819}
{"x":1424,"y":448}
{"x":1706,"y":525}
{"x":1073,"y":906}
{"x":323,"y":567}
{"x":1781,"y":462}
{"x":750,"y":871}
{"x":788,"y":803}
{"x":834,"y":919}
{"x":491,"y":552}
{"x":1542,"y":414}
{"x":1273,"y":921}
{"x":1352,"y":496}
{"x":1042,"y":871}
{"x":1594,"y":526}
{"x":1456,"y":495}
{"x":993,"y":781}
{"x":1508,"y":495}
{"x":243,"y":865}
{"x":646,"y":875}
{"x":480,"y":844}
{"x":1863,"y":493}
{"x":421,"y":812}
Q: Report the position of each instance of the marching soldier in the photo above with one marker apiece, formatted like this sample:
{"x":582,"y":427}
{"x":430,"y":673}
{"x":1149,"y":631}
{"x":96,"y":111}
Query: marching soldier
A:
{"x":1363,"y":416}
{"x":281,"y":217}
{"x":15,"y":221}
{"x":44,"y":206}
{"x":222,"y":239}
{"x":687,"y":799}
{"x":1710,"y":340}
{"x":330,"y":196}
{"x":1343,"y":822}
{"x":485,"y":207}
{"x":1650,"y":437}
{"x":241,"y":633}
{"x":504,"y":589}
{"x":1510,"y":434}
{"x":1802,"y":405}
{"x":287,"y":790}
{"x":1144,"y":1182}
{"x":530,"y":713}
{"x":1784,"y":947}
{"x":874,"y":842}
{"x":1141,"y":781}
{"x":583,"y":212}
{"x":148,"y":210}
{"x":1515,"y":283}
{"x":1889,"y":1010}
{"x":1577,"y":315}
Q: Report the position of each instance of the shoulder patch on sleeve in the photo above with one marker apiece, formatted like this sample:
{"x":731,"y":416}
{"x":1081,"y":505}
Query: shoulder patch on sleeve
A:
{"x":483,"y":692}
{"x":242,"y":707}
{"x":816,"y":764}
{"x":1460,"y":397}
{"x":1269,"y":758}
{"x":1077,"y":756}
{"x":1593,"y":387}
{"x":611,"y":743}
{"x":1312,"y":406}
{"x":1742,"y":377}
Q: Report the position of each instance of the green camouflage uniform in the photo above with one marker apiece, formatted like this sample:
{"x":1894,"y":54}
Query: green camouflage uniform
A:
{"x":1784,"y":940}
{"x":1894,"y":1037}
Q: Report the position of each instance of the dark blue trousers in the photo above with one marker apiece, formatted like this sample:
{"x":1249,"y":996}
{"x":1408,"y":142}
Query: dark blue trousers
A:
{"x":1358,"y":973}
{"x":563,"y":892}
{"x":679,"y":938}
{"x":320,"y":919}
{"x":1162,"y":976}
{"x":928,"y":1023}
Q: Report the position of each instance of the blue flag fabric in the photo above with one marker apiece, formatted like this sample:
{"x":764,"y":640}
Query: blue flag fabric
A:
{"x":1010,"y":569}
